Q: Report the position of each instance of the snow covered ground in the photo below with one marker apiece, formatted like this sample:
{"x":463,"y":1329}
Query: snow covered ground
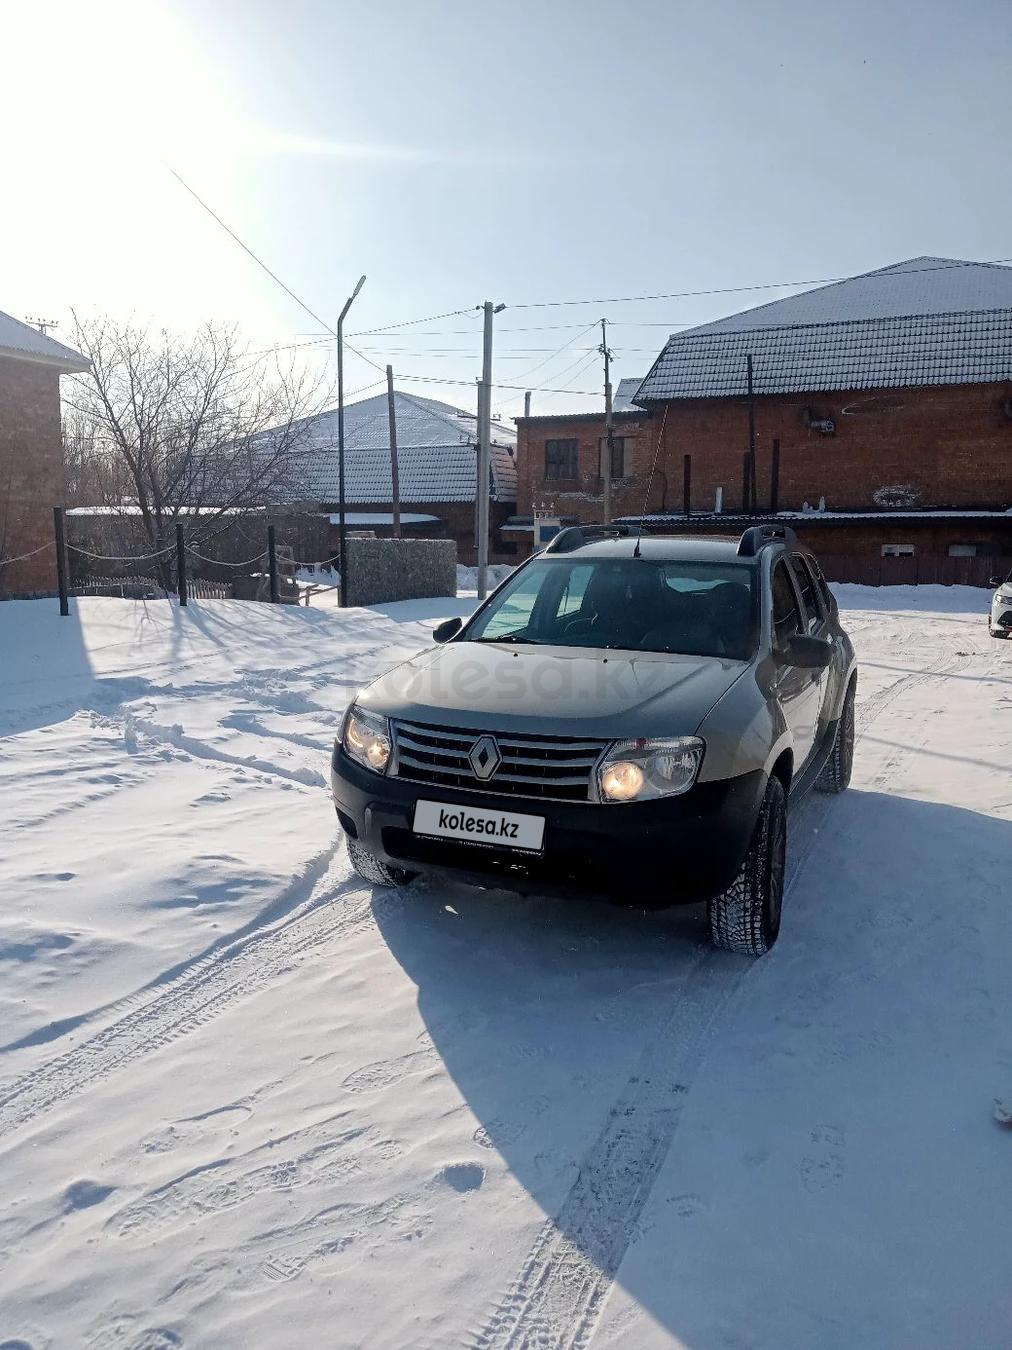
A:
{"x":248,"y":1101}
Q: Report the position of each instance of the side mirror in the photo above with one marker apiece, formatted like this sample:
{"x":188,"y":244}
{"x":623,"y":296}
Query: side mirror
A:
{"x":446,"y":630}
{"x":807,"y":653}
{"x":996,"y":582}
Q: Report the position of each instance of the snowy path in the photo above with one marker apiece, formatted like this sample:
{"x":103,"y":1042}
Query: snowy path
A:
{"x":246,"y":1101}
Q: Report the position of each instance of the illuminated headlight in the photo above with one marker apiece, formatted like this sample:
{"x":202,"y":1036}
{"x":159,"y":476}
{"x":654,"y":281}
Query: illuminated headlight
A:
{"x":366,"y":737}
{"x":640,"y":770}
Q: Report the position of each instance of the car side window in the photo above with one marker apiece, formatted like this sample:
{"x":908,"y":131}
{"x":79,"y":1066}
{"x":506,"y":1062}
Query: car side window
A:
{"x":514,"y":614}
{"x":807,"y":588}
{"x":822,"y":586}
{"x":787,"y":621}
{"x":571,"y":600}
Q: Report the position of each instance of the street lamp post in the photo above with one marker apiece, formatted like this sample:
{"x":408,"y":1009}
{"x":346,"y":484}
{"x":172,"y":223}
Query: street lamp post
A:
{"x":340,"y":442}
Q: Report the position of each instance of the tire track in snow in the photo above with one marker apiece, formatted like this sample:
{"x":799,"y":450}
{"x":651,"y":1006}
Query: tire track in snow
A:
{"x":556,"y":1299}
{"x":197,"y":995}
{"x":816,"y":808}
{"x":560,"y":1291}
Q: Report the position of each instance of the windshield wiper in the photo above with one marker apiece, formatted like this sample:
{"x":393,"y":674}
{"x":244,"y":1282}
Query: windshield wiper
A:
{"x":511,"y":637}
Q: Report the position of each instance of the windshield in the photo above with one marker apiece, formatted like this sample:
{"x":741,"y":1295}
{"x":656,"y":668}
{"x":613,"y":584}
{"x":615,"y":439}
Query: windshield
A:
{"x":634,"y":604}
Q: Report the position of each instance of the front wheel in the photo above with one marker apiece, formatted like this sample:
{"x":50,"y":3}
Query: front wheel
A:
{"x":372,"y":869}
{"x":835,"y":775}
{"x":746,"y":917}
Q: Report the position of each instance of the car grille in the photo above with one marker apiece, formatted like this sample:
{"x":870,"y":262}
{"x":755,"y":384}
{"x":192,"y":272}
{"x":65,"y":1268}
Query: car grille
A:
{"x":555,"y":767}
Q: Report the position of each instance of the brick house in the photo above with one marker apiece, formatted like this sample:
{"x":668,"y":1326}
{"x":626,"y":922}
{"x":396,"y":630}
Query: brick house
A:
{"x":32,"y":479}
{"x":560,"y":461}
{"x":437,"y":470}
{"x":890,"y":397}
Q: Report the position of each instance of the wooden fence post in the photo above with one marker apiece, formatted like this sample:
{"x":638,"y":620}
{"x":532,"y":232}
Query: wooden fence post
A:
{"x":61,"y":561}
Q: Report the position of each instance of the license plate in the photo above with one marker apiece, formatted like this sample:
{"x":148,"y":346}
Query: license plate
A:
{"x":476,"y":825}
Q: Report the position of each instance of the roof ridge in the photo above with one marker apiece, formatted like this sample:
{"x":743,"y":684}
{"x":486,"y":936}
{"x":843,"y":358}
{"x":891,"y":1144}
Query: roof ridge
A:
{"x":837,"y":323}
{"x":424,"y":405}
{"x":901,"y":268}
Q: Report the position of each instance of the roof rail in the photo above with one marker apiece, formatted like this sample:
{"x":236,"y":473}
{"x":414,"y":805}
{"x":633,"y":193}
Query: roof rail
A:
{"x":757,"y":537}
{"x":574,"y":536}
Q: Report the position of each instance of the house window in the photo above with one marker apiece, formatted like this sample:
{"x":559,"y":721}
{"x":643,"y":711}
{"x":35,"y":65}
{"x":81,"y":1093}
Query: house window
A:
{"x":560,"y":459}
{"x":897,"y":550}
{"x":962,"y":550}
{"x":621,"y":455}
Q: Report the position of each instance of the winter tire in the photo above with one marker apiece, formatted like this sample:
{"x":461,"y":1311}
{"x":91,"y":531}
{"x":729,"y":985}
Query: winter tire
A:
{"x":370,"y":869}
{"x":835,"y":775}
{"x":746,"y":917}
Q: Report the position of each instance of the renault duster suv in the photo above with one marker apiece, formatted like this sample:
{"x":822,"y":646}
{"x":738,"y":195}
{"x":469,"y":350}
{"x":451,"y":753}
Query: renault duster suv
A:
{"x":627,"y":714}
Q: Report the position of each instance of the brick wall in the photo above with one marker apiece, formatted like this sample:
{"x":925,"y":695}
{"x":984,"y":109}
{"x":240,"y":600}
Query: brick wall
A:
{"x":581,"y":496}
{"x":952,"y":445}
{"x":32,"y":477}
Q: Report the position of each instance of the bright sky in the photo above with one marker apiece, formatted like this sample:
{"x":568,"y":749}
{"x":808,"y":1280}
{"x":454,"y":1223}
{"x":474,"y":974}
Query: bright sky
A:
{"x":521,"y":152}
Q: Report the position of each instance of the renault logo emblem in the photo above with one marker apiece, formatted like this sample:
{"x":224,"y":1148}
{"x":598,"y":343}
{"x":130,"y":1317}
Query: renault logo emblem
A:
{"x":484,"y":757}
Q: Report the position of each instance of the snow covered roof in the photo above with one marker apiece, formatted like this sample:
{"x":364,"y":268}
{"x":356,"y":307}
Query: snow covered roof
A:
{"x":918,"y":286}
{"x":928,"y":321}
{"x":622,"y":399}
{"x":357,"y":519}
{"x":436,"y":453}
{"x":812,"y":517}
{"x":132,"y":509}
{"x":21,"y":340}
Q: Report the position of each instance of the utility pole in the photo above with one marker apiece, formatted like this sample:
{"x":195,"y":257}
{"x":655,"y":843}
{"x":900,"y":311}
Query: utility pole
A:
{"x":527,"y":404}
{"x":483,"y":485}
{"x":341,"y":532}
{"x":43,"y":325}
{"x":395,"y":487}
{"x":609,"y":437}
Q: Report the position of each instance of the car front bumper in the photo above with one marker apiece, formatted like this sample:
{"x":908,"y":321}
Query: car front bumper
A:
{"x":674,"y":850}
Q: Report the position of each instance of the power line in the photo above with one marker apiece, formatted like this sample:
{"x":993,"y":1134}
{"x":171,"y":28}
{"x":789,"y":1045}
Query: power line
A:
{"x":273,"y":275}
{"x":409,"y":323}
{"x":575,"y":338}
{"x":566,"y":389}
{"x":469,"y":384}
{"x":245,"y":247}
{"x":759,"y":286}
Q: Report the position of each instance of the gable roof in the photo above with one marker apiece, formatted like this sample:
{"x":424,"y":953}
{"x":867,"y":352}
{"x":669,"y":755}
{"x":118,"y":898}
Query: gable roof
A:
{"x":436,"y":453}
{"x":23,"y":342}
{"x":927,"y":321}
{"x":918,"y":286}
{"x":622,"y":400}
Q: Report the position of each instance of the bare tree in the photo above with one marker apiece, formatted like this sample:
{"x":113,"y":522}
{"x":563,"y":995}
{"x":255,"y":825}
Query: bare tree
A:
{"x":165,"y":427}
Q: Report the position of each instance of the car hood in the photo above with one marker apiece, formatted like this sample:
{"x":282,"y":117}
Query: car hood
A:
{"x":557,"y":690}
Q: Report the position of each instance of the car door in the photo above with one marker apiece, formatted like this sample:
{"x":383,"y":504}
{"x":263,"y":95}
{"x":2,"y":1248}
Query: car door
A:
{"x":816,"y":618}
{"x":798,"y":690}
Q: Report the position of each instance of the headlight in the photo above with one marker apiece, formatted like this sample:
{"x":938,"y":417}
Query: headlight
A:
{"x":639,"y":770}
{"x":366,"y":737}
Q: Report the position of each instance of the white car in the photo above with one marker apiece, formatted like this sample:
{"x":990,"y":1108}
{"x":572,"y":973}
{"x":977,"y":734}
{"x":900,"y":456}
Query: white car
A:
{"x":1000,"y":624}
